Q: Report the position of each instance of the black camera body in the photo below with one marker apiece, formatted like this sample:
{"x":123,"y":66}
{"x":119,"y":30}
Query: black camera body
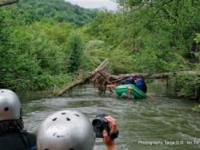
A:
{"x":100,"y":124}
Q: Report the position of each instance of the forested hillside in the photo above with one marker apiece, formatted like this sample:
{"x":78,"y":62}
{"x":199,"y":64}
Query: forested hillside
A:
{"x":159,"y":35}
{"x":33,"y":42}
{"x":44,"y":43}
{"x":56,"y":10}
{"x":153,"y":36}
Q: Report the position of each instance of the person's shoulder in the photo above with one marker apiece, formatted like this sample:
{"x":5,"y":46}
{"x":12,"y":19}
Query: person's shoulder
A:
{"x":18,"y":141}
{"x":31,"y":137}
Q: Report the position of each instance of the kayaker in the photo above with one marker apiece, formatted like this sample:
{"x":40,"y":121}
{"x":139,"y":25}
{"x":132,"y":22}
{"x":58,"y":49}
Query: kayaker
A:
{"x":140,"y":83}
{"x":71,"y":130}
{"x":129,"y":80}
{"x":12,"y":133}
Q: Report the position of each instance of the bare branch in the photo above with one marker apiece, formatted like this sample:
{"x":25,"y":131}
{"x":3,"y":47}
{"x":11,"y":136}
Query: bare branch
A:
{"x":7,"y":2}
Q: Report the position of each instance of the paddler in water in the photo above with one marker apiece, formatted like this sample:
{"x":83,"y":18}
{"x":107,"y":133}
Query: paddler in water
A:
{"x":138,"y":81}
{"x":129,"y":80}
{"x":12,"y":133}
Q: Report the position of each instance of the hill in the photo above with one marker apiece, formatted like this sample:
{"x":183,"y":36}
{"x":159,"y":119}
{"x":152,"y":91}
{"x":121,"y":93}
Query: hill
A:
{"x":57,"y":10}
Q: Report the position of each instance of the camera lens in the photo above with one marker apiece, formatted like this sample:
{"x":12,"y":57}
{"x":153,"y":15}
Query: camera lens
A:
{"x":99,"y":124}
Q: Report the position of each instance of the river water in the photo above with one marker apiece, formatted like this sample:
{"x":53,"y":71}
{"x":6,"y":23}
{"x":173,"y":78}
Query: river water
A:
{"x":156,"y":123}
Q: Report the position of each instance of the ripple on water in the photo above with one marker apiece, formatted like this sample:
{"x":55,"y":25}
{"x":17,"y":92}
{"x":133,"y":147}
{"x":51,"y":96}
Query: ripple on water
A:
{"x":153,"y":120}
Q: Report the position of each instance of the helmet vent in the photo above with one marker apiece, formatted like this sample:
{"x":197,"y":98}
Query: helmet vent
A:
{"x":68,"y":119}
{"x":77,"y":115}
{"x":54,"y":119}
{"x":63,"y":113}
{"x":6,"y":108}
{"x":54,"y":134}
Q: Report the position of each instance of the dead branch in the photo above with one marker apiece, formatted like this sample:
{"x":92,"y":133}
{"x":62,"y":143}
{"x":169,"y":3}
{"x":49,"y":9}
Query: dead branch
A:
{"x":101,"y":78}
{"x":7,"y":2}
{"x":86,"y":79}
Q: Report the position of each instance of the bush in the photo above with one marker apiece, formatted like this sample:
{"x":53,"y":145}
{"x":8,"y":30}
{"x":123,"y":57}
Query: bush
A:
{"x":74,"y":51}
{"x":188,"y":86}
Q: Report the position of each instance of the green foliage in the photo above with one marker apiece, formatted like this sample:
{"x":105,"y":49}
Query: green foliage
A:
{"x":151,"y":36}
{"x":34,"y":35}
{"x":106,"y":27}
{"x":196,"y":108}
{"x":74,"y":51}
{"x":53,"y":31}
{"x":39,"y":41}
{"x":187,"y":86}
{"x":156,"y":34}
{"x":96,"y":51}
{"x":29,"y":11}
{"x":121,"y":61}
{"x":158,"y":61}
{"x":32,"y":56}
{"x":197,"y":38}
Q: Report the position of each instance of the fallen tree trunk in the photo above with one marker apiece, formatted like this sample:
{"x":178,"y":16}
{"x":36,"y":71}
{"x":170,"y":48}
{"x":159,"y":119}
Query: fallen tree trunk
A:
{"x":101,"y":78}
{"x":7,"y":2}
{"x":158,"y":75}
{"x":101,"y":67}
{"x":74,"y":84}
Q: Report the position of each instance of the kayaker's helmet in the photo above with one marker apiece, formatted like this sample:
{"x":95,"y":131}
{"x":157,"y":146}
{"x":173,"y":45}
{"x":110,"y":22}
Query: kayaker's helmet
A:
{"x":10,"y":106}
{"x":130,"y":89}
{"x":134,"y":77}
{"x":66,"y":130}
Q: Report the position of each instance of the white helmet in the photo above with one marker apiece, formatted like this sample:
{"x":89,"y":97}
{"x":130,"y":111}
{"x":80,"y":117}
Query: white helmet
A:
{"x":10,"y":105}
{"x":66,"y":130}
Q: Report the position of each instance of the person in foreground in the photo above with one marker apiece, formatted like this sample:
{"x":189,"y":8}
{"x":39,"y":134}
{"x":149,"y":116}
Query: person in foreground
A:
{"x":107,"y":139}
{"x":12,"y":133}
{"x":71,"y":130}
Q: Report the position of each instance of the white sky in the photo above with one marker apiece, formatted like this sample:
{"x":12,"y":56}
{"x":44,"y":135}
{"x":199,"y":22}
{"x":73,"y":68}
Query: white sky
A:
{"x":108,"y":4}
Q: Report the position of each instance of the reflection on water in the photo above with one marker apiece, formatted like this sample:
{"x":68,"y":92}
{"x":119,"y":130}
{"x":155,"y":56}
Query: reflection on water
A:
{"x":152,"y":124}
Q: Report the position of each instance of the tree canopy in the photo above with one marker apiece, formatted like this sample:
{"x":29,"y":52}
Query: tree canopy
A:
{"x":38,"y":47}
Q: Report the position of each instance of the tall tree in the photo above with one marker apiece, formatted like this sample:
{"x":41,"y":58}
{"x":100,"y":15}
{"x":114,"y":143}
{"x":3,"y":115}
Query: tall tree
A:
{"x":75,"y":51}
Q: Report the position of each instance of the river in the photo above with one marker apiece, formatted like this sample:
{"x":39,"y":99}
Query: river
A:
{"x":156,"y":123}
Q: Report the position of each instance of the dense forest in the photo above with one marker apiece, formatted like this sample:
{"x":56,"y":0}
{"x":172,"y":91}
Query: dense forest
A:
{"x":33,"y":36}
{"x":45,"y":43}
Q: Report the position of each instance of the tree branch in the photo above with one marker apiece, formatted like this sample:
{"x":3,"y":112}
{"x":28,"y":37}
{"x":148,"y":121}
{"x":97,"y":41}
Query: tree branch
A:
{"x":8,"y":2}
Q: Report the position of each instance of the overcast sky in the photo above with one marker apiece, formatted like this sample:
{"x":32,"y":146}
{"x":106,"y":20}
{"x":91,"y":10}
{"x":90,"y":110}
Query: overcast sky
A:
{"x":108,"y":4}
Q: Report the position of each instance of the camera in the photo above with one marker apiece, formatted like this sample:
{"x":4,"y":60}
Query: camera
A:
{"x":100,"y":124}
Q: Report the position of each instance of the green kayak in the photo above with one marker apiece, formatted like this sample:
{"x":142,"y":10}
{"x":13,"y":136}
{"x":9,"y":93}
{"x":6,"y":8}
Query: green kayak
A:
{"x":137,"y":93}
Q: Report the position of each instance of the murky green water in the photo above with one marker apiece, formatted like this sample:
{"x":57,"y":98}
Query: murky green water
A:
{"x":156,"y":123}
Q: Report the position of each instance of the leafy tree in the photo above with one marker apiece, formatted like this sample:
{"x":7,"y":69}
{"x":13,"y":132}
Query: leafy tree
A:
{"x":56,"y":10}
{"x":75,"y":51}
